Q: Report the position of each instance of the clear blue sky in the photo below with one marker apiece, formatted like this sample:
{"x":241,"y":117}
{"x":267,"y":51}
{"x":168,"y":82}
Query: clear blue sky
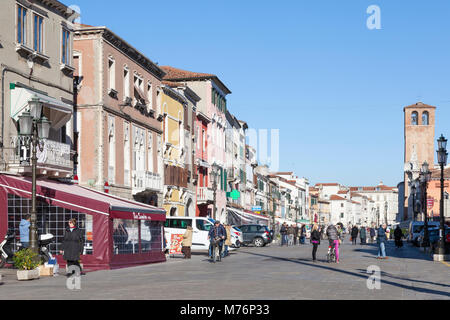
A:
{"x":334,"y":88}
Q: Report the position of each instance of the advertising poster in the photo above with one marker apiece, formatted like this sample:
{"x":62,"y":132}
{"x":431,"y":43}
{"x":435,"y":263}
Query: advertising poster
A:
{"x":175,"y":243}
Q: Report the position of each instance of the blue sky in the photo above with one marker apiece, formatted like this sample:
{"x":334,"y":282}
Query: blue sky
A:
{"x":334,"y":88}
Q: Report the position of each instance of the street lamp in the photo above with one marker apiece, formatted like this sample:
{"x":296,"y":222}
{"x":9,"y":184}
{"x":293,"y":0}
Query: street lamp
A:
{"x":425,"y":176}
{"x":214,"y":173}
{"x":442,"y":160}
{"x":413,"y":192}
{"x":378,"y":217}
{"x":33,"y":129}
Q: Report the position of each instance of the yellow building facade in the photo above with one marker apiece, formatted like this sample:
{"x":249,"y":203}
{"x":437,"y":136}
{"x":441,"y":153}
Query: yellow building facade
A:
{"x":173,"y":107}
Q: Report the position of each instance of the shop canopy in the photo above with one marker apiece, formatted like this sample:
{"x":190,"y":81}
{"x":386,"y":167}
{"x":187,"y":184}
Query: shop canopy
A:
{"x":239,"y":217}
{"x":60,"y":112}
{"x":82,"y":199}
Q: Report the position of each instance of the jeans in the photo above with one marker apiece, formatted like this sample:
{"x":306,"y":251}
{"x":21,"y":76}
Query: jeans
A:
{"x":225,"y":251}
{"x":315,"y":246}
{"x":381,"y":250}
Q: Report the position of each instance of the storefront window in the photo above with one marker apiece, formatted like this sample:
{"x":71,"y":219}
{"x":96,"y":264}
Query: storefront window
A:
{"x":50,"y":219}
{"x":134,"y":236}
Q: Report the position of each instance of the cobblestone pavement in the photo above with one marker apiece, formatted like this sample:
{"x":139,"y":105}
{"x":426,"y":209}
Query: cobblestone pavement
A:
{"x":270,"y":273}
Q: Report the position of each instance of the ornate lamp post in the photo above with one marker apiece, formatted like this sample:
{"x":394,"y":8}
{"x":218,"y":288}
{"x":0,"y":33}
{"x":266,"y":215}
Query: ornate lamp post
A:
{"x":378,"y":217}
{"x":413,"y":192}
{"x":442,"y":160}
{"x":425,"y":176}
{"x":34,"y":128}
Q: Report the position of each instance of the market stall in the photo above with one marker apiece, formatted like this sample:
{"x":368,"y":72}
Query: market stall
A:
{"x":118,"y":232}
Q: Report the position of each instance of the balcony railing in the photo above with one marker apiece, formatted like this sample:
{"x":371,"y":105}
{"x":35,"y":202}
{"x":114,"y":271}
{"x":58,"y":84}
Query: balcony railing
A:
{"x":145,"y":180}
{"x":205,"y":195}
{"x":53,"y":155}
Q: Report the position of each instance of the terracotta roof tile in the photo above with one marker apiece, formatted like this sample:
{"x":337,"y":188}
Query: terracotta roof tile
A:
{"x":337,"y":198}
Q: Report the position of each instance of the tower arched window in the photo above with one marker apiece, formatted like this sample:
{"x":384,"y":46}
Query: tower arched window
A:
{"x":425,"y":118}
{"x":415,"y":118}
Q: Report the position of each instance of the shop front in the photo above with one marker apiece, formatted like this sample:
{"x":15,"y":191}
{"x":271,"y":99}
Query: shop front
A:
{"x":118,"y":233}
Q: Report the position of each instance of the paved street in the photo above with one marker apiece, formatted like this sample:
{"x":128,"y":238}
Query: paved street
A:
{"x":256,"y":273}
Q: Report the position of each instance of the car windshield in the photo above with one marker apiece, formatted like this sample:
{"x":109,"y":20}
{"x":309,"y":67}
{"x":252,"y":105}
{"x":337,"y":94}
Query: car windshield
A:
{"x":237,"y":229}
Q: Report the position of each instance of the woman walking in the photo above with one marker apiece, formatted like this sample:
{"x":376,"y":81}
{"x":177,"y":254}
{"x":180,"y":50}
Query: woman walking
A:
{"x":315,"y":240}
{"x":73,"y":244}
{"x":186,"y":244}
{"x":228,"y":242}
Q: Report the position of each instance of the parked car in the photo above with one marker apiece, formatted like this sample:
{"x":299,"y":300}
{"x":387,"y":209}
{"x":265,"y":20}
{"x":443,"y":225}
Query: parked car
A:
{"x":416,"y":227}
{"x":256,"y":234}
{"x":237,"y":237}
{"x":200,"y":226}
{"x":433,"y":234}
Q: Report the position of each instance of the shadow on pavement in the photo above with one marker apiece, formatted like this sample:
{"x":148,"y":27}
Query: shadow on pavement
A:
{"x":355,"y":274}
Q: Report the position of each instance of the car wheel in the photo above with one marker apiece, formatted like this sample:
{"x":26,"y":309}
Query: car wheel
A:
{"x":237,"y":244}
{"x":258,"y":242}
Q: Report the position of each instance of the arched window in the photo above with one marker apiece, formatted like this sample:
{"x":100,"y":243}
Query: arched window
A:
{"x":425,"y":118}
{"x":415,"y":118}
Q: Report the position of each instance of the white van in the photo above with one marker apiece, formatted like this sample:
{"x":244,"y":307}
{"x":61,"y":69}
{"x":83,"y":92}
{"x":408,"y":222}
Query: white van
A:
{"x":416,"y":227}
{"x":200,"y":226}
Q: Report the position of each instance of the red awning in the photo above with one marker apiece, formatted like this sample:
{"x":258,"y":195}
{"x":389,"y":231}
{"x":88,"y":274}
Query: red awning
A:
{"x":82,"y":199}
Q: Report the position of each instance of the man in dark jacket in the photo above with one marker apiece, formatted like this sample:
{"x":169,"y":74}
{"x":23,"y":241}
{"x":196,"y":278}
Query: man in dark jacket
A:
{"x":354,"y":234}
{"x":283,"y":232}
{"x":398,"y":235}
{"x":73,"y":244}
{"x":218,"y":233}
{"x":295,"y":234}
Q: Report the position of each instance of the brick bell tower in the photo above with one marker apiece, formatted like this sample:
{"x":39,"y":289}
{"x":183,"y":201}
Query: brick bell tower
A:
{"x":419,"y":141}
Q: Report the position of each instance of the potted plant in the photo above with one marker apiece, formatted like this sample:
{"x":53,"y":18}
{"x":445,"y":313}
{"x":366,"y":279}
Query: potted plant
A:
{"x":27,"y":262}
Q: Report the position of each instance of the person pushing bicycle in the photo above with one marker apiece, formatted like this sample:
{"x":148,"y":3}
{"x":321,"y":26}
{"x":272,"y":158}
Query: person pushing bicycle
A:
{"x":216,"y":236}
{"x":334,"y":239}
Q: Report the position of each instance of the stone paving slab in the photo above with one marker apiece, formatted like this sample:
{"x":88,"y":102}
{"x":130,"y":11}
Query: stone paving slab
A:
{"x":270,"y":273}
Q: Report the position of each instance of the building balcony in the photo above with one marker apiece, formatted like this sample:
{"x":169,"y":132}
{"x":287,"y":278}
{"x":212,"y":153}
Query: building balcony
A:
{"x":54,"y":160}
{"x":205,"y":195}
{"x":145,"y":180}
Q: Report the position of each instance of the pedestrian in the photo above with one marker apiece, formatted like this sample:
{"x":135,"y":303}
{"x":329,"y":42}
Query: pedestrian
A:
{"x":381,"y":240}
{"x":217,"y":234}
{"x":73,"y":244}
{"x":334,"y":239}
{"x":186,"y":244}
{"x":354,"y":234}
{"x":24,"y":229}
{"x":398,"y":235}
{"x":295,"y":234}
{"x":228,"y":242}
{"x":372,"y":235}
{"x":363,"y":235}
{"x":315,"y":240}
{"x":283,"y":232}
{"x":322,"y":231}
{"x":290,"y":235}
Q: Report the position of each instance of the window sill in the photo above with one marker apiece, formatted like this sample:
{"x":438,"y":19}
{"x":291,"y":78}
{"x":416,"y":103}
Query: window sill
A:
{"x":113,"y":93}
{"x":66,"y":68}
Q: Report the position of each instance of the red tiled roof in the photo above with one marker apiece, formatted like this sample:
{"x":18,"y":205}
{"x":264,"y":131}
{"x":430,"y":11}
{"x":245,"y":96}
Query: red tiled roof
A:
{"x":342,"y":192}
{"x":436,"y":173}
{"x":420,"y":105}
{"x":327,"y":184}
{"x":175,"y":74}
{"x":337,"y":198}
{"x":172,"y":84}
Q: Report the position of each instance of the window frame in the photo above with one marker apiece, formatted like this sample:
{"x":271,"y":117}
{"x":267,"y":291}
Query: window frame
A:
{"x":21,"y":26}
{"x":41,"y":31}
{"x":65,"y":46}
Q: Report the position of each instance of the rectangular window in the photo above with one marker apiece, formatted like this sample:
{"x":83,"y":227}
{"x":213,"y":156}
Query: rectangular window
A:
{"x":112,"y":73}
{"x":150,"y":96}
{"x":111,"y":151}
{"x":126,"y":154}
{"x":126,"y":83}
{"x":38,"y":31}
{"x":21,"y":25}
{"x":65,"y":57}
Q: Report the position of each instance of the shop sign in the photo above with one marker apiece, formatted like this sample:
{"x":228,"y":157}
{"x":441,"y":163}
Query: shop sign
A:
{"x":175,"y":243}
{"x":140,"y":216}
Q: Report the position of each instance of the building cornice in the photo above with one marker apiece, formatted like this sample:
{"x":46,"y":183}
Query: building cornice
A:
{"x":123,"y":47}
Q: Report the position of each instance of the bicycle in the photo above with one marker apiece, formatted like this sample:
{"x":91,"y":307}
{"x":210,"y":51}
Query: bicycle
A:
{"x":215,"y":250}
{"x":331,"y":255}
